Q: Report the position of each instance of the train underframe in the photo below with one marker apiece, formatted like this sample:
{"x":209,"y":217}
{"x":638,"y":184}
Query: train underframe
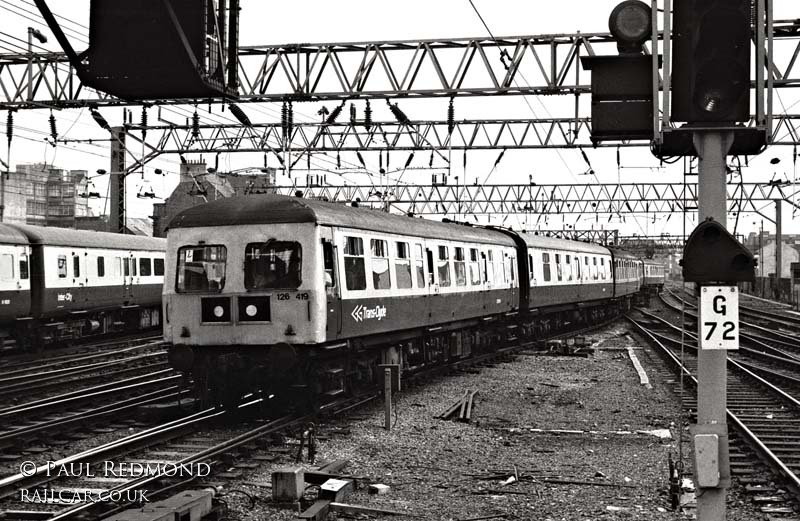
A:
{"x":36,"y":334}
{"x":305,"y":376}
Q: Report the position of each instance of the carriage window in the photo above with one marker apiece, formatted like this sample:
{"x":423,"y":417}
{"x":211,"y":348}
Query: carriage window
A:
{"x":569,"y":267}
{"x":577,"y":268}
{"x":402,"y":265}
{"x":474,"y":267}
{"x":419,"y":264}
{"x":530,"y":267}
{"x":23,"y":266}
{"x":546,"y":266}
{"x":443,"y":266}
{"x":62,"y":266}
{"x":201,"y":269}
{"x":603,"y":268}
{"x":489,"y":270}
{"x":158,"y":267}
{"x":7,"y":267}
{"x":354,"y":274}
{"x":76,"y":266}
{"x":126,"y":264}
{"x":460,"y":265}
{"x":500,"y":270}
{"x":118,"y":266}
{"x":594,"y":268}
{"x":272,"y":264}
{"x":327,"y":264}
{"x":380,"y":264}
{"x":559,"y":273}
{"x":145,"y":267}
{"x":101,"y":266}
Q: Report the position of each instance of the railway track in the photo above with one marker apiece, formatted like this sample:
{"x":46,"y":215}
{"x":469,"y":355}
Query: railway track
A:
{"x":10,"y":360}
{"x":763,"y":419}
{"x":83,"y":371}
{"x":176,"y":443}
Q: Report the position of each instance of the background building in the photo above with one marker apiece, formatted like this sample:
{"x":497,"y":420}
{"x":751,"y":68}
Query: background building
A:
{"x":46,"y":195}
{"x":197,"y":185}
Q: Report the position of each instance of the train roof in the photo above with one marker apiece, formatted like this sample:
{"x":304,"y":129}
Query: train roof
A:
{"x":10,"y":235}
{"x":622,"y":254}
{"x":274,"y":209}
{"x":541,"y":241}
{"x":87,"y":238}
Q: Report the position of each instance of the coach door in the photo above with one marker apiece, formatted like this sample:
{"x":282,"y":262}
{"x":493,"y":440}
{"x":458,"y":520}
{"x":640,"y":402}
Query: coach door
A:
{"x":333,"y":296}
{"x":128,"y":275}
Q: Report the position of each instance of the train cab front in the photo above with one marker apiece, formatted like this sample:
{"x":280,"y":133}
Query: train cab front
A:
{"x":241,"y":305}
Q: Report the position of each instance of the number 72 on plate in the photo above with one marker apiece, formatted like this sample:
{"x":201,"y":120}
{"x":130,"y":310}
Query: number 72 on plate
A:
{"x":719,"y":317}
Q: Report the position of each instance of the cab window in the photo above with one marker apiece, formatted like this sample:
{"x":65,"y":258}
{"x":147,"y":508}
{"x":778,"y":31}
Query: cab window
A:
{"x":23,"y":266}
{"x":62,"y":266}
{"x":272,"y":264}
{"x":201,"y":269}
{"x":7,"y":267}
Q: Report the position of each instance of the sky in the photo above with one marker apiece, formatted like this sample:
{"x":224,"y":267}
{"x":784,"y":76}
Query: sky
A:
{"x":298,"y":21}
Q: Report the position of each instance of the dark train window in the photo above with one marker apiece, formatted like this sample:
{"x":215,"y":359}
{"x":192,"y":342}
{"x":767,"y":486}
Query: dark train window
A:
{"x":474,"y":267}
{"x":569,"y":266}
{"x":489,"y":267}
{"x":201,"y":269}
{"x":443,"y":266}
{"x":273,"y":265}
{"x":381,"y":278}
{"x":133,"y":266}
{"x":158,"y":267}
{"x":546,"y":266}
{"x":402,"y":265}
{"x":559,"y":273}
{"x":354,"y":269}
{"x":126,"y":264}
{"x":76,"y":266}
{"x":23,"y":266}
{"x":145,"y":267}
{"x":419,"y":265}
{"x":460,"y":265}
{"x":62,"y":266}
{"x":602,"y":268}
{"x":327,"y":264}
{"x":101,"y":266}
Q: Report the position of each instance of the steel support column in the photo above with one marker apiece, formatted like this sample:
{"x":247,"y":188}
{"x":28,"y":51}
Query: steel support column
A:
{"x":116,"y":219}
{"x":712,"y":376}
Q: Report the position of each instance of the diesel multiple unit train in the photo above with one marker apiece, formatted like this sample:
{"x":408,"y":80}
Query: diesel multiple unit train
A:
{"x":58,"y":285}
{"x":280,"y":295}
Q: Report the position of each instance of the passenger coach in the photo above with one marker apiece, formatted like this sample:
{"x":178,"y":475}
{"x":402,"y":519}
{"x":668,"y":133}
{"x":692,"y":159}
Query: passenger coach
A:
{"x":272,"y":293}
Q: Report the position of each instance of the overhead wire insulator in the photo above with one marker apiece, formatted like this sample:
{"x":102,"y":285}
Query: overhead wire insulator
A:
{"x":361,"y":159}
{"x":353,"y":118}
{"x":99,"y":119}
{"x":53,"y":129}
{"x":410,"y":158}
{"x":239,"y":114}
{"x":196,"y":125}
{"x":143,"y":121}
{"x":399,"y":115}
{"x":10,"y":126}
{"x":430,"y":162}
{"x":334,"y":115}
{"x":368,"y":116}
{"x":451,"y":117}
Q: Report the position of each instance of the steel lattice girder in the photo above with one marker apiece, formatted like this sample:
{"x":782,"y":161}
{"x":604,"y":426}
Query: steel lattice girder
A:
{"x":534,"y":199}
{"x":543,"y":64}
{"x":494,"y":134}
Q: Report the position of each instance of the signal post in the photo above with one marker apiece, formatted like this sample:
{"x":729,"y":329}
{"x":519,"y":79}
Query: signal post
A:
{"x":707,"y":86}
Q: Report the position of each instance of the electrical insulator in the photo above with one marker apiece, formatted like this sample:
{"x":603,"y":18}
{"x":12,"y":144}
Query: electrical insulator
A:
{"x":410,"y":158}
{"x":399,"y":115}
{"x":361,"y":159}
{"x":331,"y":119}
{"x":352,"y":114}
{"x":143,"y":121}
{"x":284,"y":114}
{"x":338,"y":160}
{"x":430,"y":162}
{"x":195,"y":125}
{"x":53,"y":130}
{"x":239,"y":114}
{"x":451,"y":117}
{"x":368,"y":116}
{"x":290,"y":117}
{"x":10,"y":126}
